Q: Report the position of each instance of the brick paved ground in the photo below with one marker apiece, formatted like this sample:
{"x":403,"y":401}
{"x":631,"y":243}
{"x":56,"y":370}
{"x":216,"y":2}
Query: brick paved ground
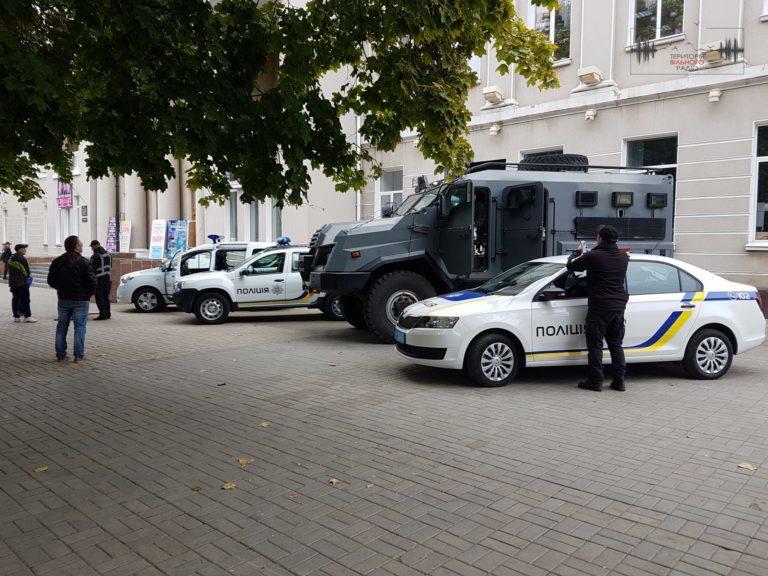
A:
{"x":435,"y":477}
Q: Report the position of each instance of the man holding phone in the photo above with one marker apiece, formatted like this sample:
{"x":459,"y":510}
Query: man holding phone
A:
{"x":606,"y":268}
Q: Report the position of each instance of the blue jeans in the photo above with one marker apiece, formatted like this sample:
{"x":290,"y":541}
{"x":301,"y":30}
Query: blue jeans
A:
{"x":76,"y":311}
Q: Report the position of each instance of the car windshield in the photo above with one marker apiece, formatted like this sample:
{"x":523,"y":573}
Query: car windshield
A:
{"x":173,"y":263}
{"x":414,"y":203}
{"x":517,"y":279}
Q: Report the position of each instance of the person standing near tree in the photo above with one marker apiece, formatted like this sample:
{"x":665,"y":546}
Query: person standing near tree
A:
{"x":19,"y":281}
{"x":101,"y":262}
{"x":72,"y":277}
{"x":5,"y":257}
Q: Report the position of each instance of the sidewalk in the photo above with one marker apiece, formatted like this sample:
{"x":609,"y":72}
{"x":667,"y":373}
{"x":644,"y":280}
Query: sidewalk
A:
{"x":361,"y":463}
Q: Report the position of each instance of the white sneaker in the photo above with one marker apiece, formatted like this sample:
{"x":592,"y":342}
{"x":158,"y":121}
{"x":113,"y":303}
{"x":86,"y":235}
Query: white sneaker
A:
{"x":17,"y":319}
{"x":30,"y":319}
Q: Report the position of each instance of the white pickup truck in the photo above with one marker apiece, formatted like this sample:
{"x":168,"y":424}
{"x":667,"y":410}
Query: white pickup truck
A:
{"x":151,"y":290}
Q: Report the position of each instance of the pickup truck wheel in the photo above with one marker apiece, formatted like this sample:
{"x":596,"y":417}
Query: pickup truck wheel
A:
{"x":389,"y":296}
{"x":352,"y":307}
{"x":148,"y":299}
{"x":333,"y":308}
{"x":709,"y":355}
{"x":492,"y":360}
{"x":211,"y":308}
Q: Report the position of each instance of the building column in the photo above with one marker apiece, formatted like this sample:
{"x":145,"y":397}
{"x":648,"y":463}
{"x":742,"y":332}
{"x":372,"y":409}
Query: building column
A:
{"x":597,"y":47}
{"x":169,"y":201}
{"x":135,"y":210}
{"x":200,"y":231}
{"x":188,"y":202}
{"x":105,"y":206}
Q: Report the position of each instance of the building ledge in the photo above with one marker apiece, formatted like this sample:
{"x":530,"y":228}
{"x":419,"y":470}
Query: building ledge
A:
{"x":562,"y":62}
{"x":607,"y":84}
{"x":657,"y":42}
{"x":757,"y":246}
{"x":764,"y":18}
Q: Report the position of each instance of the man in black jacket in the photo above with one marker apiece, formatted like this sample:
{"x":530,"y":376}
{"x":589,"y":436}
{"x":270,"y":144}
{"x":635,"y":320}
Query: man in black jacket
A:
{"x":606,"y":268}
{"x":101,"y":262}
{"x":19,"y":280}
{"x":72,"y":277}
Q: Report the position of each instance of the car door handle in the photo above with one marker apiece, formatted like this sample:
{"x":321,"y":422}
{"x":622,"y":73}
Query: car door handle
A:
{"x":280,"y":280}
{"x":687,"y":305}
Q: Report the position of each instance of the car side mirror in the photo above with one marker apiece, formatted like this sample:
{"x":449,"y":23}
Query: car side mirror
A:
{"x":551,"y":293}
{"x":388,"y":209}
{"x":163,"y":268}
{"x":245,"y":272}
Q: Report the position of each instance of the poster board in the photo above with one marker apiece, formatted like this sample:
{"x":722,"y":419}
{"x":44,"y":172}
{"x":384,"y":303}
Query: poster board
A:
{"x":125,"y":235}
{"x":157,"y":239}
{"x":64,"y":195}
{"x":177,"y":238}
{"x":112,"y":235}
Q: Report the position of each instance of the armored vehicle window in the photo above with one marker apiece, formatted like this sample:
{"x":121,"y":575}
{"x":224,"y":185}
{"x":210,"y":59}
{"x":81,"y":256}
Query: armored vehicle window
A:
{"x":268,"y":264}
{"x":455,"y":197}
{"x":415,"y":203}
{"x":652,"y":278}
{"x":517,"y":279}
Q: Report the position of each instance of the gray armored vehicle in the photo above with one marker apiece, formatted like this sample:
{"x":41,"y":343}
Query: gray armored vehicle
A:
{"x":456,"y":235}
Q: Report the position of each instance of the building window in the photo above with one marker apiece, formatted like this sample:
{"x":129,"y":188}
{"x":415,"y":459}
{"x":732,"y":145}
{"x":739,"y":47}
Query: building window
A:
{"x":62,"y":225}
{"x":761,"y":212}
{"x":24,"y":224}
{"x":232,"y":215}
{"x":656,"y":19}
{"x":390,"y":188}
{"x":657,"y":153}
{"x":277,"y":222}
{"x":555,"y":25}
{"x":254,"y":215}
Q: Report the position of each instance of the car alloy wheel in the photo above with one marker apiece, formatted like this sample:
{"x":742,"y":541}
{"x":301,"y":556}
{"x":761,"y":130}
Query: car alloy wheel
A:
{"x":336,"y":307}
{"x":147,"y":301}
{"x":497,"y":361}
{"x":398,"y":302}
{"x":712,"y":355}
{"x":211,"y":309}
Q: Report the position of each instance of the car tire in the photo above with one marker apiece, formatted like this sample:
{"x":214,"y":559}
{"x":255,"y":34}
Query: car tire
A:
{"x":492,"y":360}
{"x":388,"y":296}
{"x":211,"y":308}
{"x":333,"y":307}
{"x":556,"y":163}
{"x":709,"y":355}
{"x":353,"y":311}
{"x":148,"y":299}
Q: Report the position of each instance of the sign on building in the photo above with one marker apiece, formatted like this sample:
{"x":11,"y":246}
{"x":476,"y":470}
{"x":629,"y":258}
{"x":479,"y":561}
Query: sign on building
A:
{"x":157,"y":239}
{"x":64,"y":195}
{"x":125,"y":235}
{"x":112,"y":235}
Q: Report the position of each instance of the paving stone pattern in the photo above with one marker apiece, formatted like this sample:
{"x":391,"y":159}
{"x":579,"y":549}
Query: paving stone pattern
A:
{"x":434,"y":476}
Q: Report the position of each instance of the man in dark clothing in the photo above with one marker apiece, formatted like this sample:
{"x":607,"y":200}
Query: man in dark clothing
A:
{"x":606,"y":268}
{"x":101,"y":262}
{"x":19,"y":280}
{"x":5,"y":257}
{"x":72,"y":277}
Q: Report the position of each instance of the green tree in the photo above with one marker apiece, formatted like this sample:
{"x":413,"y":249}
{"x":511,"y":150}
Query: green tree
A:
{"x":237,"y":86}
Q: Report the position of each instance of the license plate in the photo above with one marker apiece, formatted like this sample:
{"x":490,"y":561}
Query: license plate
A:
{"x":399,"y":336}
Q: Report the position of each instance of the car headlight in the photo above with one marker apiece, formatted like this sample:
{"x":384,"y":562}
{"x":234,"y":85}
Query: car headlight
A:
{"x":445,"y":322}
{"x":125,"y":279}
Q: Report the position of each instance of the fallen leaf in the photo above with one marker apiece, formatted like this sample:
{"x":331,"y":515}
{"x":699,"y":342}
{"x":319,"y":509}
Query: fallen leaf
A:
{"x":334,"y":481}
{"x":265,"y":424}
{"x":228,"y":486}
{"x":332,"y":365}
{"x":293,"y":496}
{"x":756,"y":506}
{"x":196,"y":488}
{"x":222,"y":384}
{"x":748,"y":466}
{"x":244,"y":462}
{"x":204,"y":370}
{"x":41,"y":469}
{"x":369,"y":485}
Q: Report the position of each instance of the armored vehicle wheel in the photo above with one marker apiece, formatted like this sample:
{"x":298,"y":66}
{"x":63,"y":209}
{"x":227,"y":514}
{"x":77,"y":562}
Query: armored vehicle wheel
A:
{"x":708,"y":355}
{"x":556,"y":163}
{"x":352,"y":307}
{"x":389,"y":296}
{"x":211,"y":308}
{"x":492,"y":360}
{"x":148,"y":299}
{"x":333,"y":308}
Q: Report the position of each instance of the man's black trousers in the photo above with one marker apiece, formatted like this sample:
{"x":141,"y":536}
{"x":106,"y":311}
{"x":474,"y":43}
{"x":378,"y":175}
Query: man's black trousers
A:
{"x":608,"y":326}
{"x":20,"y":302}
{"x":103,"y":286}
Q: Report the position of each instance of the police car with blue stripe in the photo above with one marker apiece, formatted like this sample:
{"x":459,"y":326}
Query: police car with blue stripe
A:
{"x":533,"y":315}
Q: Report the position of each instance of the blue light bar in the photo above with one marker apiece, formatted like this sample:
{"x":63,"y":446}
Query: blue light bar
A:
{"x":283,"y":240}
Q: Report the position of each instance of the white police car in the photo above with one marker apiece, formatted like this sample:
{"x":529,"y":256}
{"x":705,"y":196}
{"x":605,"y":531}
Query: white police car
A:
{"x":533,"y":315}
{"x":151,"y":290}
{"x":269,"y":280}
